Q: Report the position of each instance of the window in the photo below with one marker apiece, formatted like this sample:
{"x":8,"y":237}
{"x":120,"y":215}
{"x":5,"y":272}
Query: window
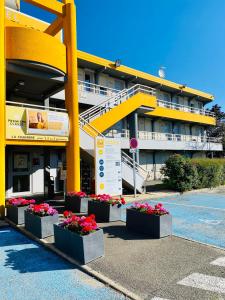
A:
{"x":87,"y":82}
{"x":21,"y":183}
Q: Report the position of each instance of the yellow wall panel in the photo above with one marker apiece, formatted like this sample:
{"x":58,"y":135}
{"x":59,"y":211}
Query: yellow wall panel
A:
{"x":32,"y":45}
{"x":182,"y":116}
{"x":110,"y":118}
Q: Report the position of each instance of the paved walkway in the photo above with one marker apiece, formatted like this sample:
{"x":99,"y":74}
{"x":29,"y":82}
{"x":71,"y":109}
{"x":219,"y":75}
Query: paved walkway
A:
{"x":30,"y":272}
{"x":170,"y":268}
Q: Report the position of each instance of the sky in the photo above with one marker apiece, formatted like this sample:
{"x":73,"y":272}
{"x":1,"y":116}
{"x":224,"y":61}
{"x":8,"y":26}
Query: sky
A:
{"x":185,"y":36}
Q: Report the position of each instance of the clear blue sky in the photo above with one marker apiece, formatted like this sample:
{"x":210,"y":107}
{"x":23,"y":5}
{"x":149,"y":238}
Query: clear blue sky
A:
{"x":185,"y":36}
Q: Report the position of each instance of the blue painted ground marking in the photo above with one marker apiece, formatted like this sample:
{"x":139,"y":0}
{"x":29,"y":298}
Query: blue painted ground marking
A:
{"x":199,"y":216}
{"x":28,"y":271}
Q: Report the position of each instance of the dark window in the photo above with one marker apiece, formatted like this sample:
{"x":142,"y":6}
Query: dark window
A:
{"x":21,"y":183}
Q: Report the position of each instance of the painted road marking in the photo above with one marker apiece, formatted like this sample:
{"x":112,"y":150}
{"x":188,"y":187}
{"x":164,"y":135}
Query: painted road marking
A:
{"x":210,"y":222}
{"x":204,"y":282}
{"x":219,"y":262}
{"x":158,"y":298}
{"x":180,"y":204}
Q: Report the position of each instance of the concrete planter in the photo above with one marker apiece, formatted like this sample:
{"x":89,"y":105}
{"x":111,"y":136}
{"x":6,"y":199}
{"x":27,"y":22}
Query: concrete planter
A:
{"x":76,"y":204}
{"x":82,"y":248}
{"x":104,"y":212}
{"x":41,"y":227}
{"x":16,"y":214}
{"x":151,"y":225}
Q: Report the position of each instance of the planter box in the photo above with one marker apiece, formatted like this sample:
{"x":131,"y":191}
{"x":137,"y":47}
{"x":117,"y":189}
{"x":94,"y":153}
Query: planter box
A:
{"x":41,"y":227}
{"x":82,"y":248}
{"x":16,"y":214}
{"x":76,"y":204}
{"x":151,"y":225}
{"x":104,"y":212}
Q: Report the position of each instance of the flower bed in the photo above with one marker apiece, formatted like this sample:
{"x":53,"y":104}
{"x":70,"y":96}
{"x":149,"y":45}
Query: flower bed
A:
{"x":105,"y":207}
{"x":154,"y":221}
{"x":15,"y":209}
{"x":79,"y":237}
{"x":77,"y":202}
{"x":39,"y":219}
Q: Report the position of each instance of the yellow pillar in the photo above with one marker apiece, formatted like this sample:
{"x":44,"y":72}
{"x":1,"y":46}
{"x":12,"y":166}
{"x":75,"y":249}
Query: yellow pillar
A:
{"x":71,"y":93}
{"x":2,"y":108}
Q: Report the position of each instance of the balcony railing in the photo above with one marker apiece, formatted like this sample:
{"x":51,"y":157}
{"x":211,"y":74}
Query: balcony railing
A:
{"x":180,"y":107}
{"x":114,"y":133}
{"x":158,"y":136}
{"x":86,"y":87}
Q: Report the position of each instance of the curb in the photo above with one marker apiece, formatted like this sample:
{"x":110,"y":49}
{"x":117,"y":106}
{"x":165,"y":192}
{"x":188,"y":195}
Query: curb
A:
{"x":86,"y":269}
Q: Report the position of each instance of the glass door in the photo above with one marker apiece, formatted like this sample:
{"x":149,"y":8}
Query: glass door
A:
{"x":21,"y":173}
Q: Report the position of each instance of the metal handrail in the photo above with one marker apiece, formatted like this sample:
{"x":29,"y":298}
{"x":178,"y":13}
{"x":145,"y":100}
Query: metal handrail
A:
{"x":185,"y":108}
{"x":125,"y":157}
{"x":96,"y":88}
{"x":161,"y":136}
{"x":115,"y":100}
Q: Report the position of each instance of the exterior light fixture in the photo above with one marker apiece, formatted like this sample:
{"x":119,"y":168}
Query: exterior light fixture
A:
{"x":21,"y":83}
{"x":117,"y":63}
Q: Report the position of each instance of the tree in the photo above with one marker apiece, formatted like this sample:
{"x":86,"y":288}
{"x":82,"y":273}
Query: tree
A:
{"x":218,"y":131}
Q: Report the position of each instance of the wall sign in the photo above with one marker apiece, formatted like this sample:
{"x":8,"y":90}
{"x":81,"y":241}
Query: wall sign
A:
{"x":20,"y":162}
{"x":36,"y":125}
{"x":108,"y":174}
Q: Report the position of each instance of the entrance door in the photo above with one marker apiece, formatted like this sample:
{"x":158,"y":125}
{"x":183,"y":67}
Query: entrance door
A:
{"x":21,"y":183}
{"x":25,"y":172}
{"x":37,"y":172}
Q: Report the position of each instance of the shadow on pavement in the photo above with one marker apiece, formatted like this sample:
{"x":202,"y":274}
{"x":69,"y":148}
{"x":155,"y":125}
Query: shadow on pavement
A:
{"x":120,"y":231}
{"x":34,"y":260}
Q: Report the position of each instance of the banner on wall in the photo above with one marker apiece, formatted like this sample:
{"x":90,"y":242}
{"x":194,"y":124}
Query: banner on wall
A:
{"x":108,"y":166}
{"x":43,"y":122}
{"x":33,"y":124}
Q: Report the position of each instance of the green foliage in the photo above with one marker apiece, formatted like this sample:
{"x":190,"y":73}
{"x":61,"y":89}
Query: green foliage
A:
{"x":184,"y":174}
{"x":179,"y":173}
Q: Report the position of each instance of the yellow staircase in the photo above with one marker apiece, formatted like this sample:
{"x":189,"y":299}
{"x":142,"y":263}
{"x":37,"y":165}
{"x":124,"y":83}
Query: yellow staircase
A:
{"x":106,"y":114}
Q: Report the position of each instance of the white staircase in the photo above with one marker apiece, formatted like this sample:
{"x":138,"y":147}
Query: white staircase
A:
{"x":98,"y":110}
{"x":142,"y":176}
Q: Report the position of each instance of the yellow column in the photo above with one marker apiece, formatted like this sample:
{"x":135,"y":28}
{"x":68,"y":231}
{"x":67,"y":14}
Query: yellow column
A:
{"x":71,"y":93}
{"x":2,"y":108}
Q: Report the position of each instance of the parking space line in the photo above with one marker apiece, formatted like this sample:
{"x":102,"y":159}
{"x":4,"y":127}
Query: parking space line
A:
{"x":158,"y":298}
{"x":219,"y":262}
{"x":196,"y":206}
{"x":204,"y":282}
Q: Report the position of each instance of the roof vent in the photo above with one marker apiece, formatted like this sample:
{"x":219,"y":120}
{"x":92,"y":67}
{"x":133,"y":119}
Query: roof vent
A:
{"x":14,"y":4}
{"x":162,"y":72}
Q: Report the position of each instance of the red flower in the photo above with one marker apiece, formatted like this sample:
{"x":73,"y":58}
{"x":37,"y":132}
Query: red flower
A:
{"x":123,"y":201}
{"x":66,"y":213}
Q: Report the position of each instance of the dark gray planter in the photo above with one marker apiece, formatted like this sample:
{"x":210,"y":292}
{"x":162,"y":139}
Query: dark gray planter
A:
{"x":151,"y":225}
{"x":16,"y":214}
{"x":41,"y":227}
{"x":104,"y":212}
{"x":82,"y":248}
{"x":76,"y":204}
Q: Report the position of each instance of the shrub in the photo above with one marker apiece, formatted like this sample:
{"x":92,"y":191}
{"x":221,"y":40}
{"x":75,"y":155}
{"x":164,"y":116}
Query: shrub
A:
{"x":183,"y":174}
{"x":180,"y":174}
{"x":211,"y":172}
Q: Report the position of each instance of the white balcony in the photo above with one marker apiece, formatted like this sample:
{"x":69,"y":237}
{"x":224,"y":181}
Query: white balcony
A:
{"x":94,"y":94}
{"x":184,"y":108}
{"x":168,"y":141}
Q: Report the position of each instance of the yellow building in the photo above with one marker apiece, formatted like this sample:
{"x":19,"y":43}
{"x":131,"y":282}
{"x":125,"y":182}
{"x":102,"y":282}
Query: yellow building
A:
{"x":55,"y":100}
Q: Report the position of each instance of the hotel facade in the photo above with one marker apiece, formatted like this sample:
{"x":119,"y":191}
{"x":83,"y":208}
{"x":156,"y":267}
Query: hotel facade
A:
{"x":55,"y":100}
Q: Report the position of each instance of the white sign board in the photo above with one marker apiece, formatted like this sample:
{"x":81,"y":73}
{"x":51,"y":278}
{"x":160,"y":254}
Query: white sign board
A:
{"x":108,"y":173}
